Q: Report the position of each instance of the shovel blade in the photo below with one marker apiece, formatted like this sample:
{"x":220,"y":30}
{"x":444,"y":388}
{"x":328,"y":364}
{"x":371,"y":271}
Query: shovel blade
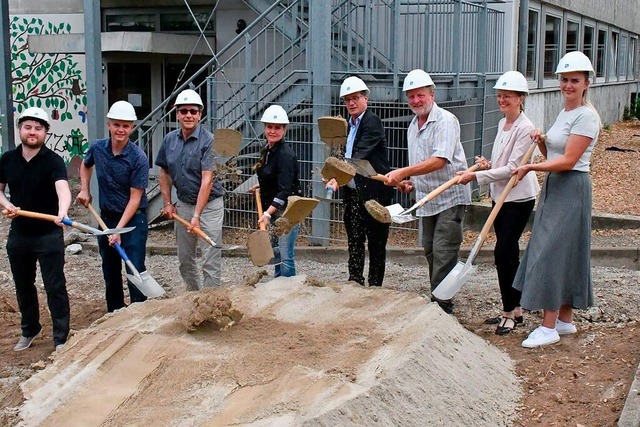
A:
{"x":454,"y":281}
{"x":118,"y":230}
{"x":226,"y":142}
{"x":363,"y":167}
{"x":396,"y":214}
{"x":146,"y":284}
{"x":259,"y":248}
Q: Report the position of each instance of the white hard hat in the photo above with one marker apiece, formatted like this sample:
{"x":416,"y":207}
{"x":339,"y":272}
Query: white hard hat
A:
{"x":34,"y":113}
{"x":512,"y":80}
{"x":415,"y":79}
{"x":122,"y":110}
{"x":275,"y":114}
{"x":574,"y":61}
{"x":189,"y":97}
{"x":352,"y":85}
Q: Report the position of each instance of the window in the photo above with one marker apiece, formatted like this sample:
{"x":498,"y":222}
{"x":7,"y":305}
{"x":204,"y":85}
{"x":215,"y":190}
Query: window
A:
{"x":551,"y":45}
{"x":631,"y":57}
{"x":622,"y":58}
{"x":131,"y":22}
{"x":573,"y":36}
{"x":532,"y":46}
{"x":613,"y":54}
{"x":587,"y":42}
{"x":601,"y":57}
{"x":168,"y":19}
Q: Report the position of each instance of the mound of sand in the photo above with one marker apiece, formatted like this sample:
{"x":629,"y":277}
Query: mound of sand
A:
{"x":296,"y":353}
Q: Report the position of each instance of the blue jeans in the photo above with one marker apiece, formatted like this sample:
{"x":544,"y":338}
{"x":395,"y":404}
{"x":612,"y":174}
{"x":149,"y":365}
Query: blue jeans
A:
{"x":134,"y":244}
{"x":286,"y":245}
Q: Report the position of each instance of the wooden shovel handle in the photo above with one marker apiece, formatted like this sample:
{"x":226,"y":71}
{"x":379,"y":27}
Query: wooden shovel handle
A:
{"x":36,"y":215}
{"x":101,"y":223}
{"x":197,"y":231}
{"x":260,"y":212}
{"x":441,"y":189}
{"x":505,"y":193}
{"x":378,"y":177}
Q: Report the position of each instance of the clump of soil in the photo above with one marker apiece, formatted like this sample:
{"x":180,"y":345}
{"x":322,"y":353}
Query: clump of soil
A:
{"x":377,"y":211}
{"x":282,"y":226}
{"x":253,"y":279}
{"x":212,"y":308}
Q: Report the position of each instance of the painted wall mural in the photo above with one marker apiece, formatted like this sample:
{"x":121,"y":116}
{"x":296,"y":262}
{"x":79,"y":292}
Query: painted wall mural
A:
{"x":53,"y":82}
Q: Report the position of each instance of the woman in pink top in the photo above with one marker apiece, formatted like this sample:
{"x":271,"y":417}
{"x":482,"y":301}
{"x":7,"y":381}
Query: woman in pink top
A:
{"x":512,"y":141}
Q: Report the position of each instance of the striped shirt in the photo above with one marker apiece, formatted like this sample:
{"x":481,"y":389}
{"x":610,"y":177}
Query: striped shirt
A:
{"x":438,"y":137}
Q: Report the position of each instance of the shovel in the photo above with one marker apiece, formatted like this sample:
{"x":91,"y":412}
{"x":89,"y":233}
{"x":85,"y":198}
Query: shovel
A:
{"x":333,"y":131}
{"x":339,"y":170}
{"x":259,"y":244}
{"x":143,"y":281}
{"x":71,"y":223}
{"x":226,"y":142}
{"x":402,"y":216}
{"x":462,"y":271}
{"x":198,"y":232}
{"x":364,"y":168}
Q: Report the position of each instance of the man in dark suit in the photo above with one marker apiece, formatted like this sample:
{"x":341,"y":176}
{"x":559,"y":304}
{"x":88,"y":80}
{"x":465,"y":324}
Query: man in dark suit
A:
{"x":366,"y":140}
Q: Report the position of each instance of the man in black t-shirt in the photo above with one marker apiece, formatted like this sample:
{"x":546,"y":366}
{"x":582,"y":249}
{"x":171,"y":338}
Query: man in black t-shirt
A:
{"x":37,"y":179}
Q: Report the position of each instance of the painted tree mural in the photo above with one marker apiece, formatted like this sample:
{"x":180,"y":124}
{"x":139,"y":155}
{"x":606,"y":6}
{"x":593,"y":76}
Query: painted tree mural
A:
{"x":50,"y":81}
{"x":44,"y":80}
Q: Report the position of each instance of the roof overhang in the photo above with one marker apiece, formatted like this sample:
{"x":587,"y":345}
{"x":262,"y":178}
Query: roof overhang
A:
{"x":122,"y":41}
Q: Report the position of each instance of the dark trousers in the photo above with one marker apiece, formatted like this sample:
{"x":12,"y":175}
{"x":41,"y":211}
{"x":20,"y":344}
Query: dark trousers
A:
{"x":48,"y":251}
{"x":361,"y":227}
{"x":441,"y":239}
{"x":509,"y":225}
{"x":134,"y":244}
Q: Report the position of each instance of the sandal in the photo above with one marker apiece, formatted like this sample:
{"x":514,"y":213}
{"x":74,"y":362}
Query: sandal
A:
{"x":506,"y":325}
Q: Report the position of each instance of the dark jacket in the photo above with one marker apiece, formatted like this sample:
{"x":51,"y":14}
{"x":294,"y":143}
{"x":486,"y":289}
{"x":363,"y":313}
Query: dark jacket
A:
{"x":371,"y":144}
{"x":278,"y":175}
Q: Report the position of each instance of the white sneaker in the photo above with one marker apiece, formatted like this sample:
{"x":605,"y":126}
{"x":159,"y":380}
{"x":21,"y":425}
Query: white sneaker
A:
{"x":25,"y":342}
{"x":564,"y":328}
{"x":541,"y":336}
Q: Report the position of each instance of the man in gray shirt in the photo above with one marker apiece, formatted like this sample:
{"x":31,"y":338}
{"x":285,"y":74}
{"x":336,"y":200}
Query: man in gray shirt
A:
{"x":187,"y":161}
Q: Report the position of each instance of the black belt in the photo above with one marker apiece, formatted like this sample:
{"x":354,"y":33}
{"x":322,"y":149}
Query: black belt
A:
{"x":113,"y":216}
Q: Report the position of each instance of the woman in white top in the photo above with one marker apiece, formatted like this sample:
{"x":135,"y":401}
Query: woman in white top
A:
{"x":555,"y":271}
{"x":512,"y":141}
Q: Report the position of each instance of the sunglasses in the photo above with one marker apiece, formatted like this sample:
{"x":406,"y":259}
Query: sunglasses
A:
{"x":185,"y":111}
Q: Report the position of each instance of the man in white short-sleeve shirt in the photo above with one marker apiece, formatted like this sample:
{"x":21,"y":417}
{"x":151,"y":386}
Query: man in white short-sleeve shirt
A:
{"x":435,"y":155}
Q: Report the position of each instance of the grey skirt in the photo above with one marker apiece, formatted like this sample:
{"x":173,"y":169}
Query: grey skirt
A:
{"x":555,"y":269}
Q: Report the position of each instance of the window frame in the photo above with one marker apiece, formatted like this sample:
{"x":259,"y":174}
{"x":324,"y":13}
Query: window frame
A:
{"x":605,"y":71}
{"x":573,"y":19}
{"x":555,"y":14}
{"x":535,"y":69}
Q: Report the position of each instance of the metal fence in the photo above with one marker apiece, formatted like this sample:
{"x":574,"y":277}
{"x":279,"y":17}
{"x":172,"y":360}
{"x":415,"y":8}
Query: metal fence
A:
{"x":474,"y":105}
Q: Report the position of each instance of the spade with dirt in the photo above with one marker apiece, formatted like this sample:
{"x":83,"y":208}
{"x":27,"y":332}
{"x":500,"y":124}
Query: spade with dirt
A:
{"x":259,"y":244}
{"x":339,"y":170}
{"x":226,"y":142}
{"x":333,"y":131}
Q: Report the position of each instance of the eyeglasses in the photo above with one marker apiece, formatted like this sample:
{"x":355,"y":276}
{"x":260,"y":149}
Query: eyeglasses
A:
{"x":354,"y":99}
{"x":185,"y":111}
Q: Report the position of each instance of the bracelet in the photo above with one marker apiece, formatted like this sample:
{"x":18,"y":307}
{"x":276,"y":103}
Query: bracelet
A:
{"x":195,"y":215}
{"x":267,"y":214}
{"x":168,"y":203}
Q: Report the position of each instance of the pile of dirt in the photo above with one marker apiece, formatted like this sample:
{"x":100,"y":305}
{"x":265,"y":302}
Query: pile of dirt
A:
{"x":322,"y":353}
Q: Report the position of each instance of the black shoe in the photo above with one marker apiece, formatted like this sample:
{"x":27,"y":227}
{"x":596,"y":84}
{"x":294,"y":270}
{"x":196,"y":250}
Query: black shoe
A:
{"x":446,"y":306}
